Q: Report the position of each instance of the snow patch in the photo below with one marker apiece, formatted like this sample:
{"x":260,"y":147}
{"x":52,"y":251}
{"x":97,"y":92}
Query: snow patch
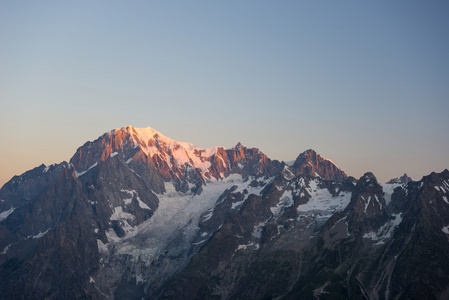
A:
{"x":258,"y":230}
{"x":388,"y":190}
{"x":237,"y":204}
{"x":48,"y":168}
{"x":5,"y":249}
{"x":113,"y":154}
{"x":102,"y":248}
{"x":322,"y":201}
{"x":287,"y":173}
{"x":243,"y":247}
{"x":84,"y":172}
{"x":446,"y":184}
{"x":140,"y":279}
{"x":377,"y":200}
{"x":286,"y":200}
{"x":142,"y":204}
{"x":112,"y":236}
{"x":371,"y":235}
{"x":211,"y":151}
{"x":261,"y":183}
{"x":40,"y":234}
{"x":445,"y":229}
{"x":4,"y":215}
{"x":208,"y":216}
{"x":440,"y":188}
{"x":120,"y":215}
{"x":200,"y":242}
{"x":344,"y":218}
{"x":386,"y":231}
{"x":445,"y":199}
{"x":367,"y":202}
{"x":129,"y":200}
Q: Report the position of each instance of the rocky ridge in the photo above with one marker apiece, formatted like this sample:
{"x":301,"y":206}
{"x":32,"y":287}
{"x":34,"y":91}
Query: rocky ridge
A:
{"x":137,"y":215}
{"x":185,"y":165}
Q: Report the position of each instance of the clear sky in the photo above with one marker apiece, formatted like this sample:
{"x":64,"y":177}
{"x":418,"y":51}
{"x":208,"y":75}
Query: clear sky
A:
{"x":364,"y":83}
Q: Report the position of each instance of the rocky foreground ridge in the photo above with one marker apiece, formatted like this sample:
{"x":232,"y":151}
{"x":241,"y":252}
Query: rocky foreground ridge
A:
{"x":135,"y":214}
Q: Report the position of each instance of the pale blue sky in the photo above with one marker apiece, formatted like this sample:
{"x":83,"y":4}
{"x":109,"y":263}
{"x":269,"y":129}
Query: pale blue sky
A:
{"x":364,"y":83}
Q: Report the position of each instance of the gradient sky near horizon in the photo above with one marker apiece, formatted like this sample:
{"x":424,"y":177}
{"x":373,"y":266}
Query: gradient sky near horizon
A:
{"x":364,"y":83}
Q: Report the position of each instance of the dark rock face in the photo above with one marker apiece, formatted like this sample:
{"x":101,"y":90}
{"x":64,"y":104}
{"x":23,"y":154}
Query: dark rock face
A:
{"x":50,"y":244}
{"x":260,"y":245}
{"x":370,"y":250}
{"x":367,"y":210}
{"x":136,"y":215}
{"x":311,"y":163}
{"x":408,"y":262}
{"x":56,"y":262}
{"x":27,"y":188}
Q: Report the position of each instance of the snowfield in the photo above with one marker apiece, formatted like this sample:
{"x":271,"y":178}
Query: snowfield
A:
{"x":323,"y":202}
{"x":168,"y":224}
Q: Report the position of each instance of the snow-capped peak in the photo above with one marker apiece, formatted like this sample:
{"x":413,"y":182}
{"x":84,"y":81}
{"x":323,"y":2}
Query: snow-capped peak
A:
{"x":171,"y":158}
{"x":152,"y":142}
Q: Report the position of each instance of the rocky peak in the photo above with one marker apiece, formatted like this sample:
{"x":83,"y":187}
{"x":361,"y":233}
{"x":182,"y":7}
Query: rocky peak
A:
{"x":367,"y":209}
{"x":368,"y":177}
{"x":238,"y":146}
{"x":179,"y":162}
{"x":115,"y":141}
{"x":403,"y":179}
{"x":311,"y":163}
{"x":239,"y":151}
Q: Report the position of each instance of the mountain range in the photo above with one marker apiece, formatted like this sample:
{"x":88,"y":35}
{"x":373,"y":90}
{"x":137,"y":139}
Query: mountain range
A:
{"x":137,"y":215}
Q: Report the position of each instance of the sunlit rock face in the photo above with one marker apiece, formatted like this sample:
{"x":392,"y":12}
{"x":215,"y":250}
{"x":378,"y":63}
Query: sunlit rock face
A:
{"x":137,"y":215}
{"x":311,"y":163}
{"x":184,"y":164}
